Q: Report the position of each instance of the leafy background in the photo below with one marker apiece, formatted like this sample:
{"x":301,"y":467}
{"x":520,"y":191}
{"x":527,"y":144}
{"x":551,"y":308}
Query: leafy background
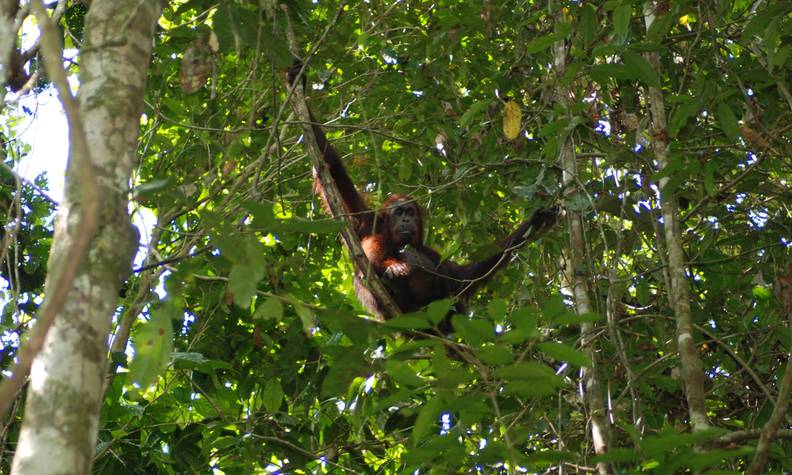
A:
{"x":252,"y":355}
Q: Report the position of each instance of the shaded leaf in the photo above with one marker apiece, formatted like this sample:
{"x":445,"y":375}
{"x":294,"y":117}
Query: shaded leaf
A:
{"x":728,"y":122}
{"x":272,"y":395}
{"x":641,"y":69}
{"x":562,"y":352}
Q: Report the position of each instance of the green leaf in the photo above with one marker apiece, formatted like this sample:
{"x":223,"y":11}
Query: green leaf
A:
{"x":659,"y":28}
{"x":153,"y":344}
{"x":715,"y":458}
{"x":526,"y":317}
{"x":410,"y":321}
{"x":532,"y":389}
{"x":403,"y":374}
{"x":761,"y":21}
{"x":525,"y":322}
{"x":681,"y":116}
{"x":641,"y":69}
{"x":555,"y":309}
{"x":235,"y":26}
{"x":497,"y":309}
{"x":243,"y":281}
{"x":270,"y":308}
{"x":618,"y":455}
{"x":709,"y":178}
{"x":196,"y":361}
{"x":588,"y":24}
{"x":348,"y":363}
{"x":571,"y":318}
{"x":761,"y":293}
{"x":263,"y":214}
{"x":728,"y":122}
{"x":642,"y":292}
{"x":601,"y":72}
{"x":427,"y":419}
{"x":621,"y":18}
{"x":550,"y":456}
{"x":543,"y":42}
{"x":359,"y":330}
{"x":306,"y":315}
{"x":308,"y":226}
{"x":363,"y":40}
{"x":272,"y":395}
{"x":495,"y":354}
{"x":562,"y":352}
{"x":778,"y":57}
{"x":473,"y":331}
{"x":528,"y":372}
{"x":277,"y":49}
{"x":153,"y":186}
{"x":475,"y":110}
{"x":657,"y":445}
{"x":405,"y":170}
{"x":437,"y":310}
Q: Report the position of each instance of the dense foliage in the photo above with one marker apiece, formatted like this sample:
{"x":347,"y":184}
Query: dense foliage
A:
{"x":262,"y":359}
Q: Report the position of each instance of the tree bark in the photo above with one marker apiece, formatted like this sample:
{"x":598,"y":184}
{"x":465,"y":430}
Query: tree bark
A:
{"x":592,"y":389}
{"x":64,"y":395}
{"x":679,"y":299}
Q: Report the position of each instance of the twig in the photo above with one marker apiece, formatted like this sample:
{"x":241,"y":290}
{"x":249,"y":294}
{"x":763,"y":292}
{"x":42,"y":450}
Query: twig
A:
{"x":297,"y":448}
{"x":29,"y":183}
{"x":722,"y":189}
{"x":171,"y":260}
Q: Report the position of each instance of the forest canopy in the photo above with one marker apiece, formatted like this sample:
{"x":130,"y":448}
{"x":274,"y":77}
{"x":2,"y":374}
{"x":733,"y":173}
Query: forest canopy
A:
{"x":650,"y":330}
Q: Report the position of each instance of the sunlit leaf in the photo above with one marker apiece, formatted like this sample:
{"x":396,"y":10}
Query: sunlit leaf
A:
{"x":512,"y":120}
{"x":153,"y":342}
{"x":271,"y":307}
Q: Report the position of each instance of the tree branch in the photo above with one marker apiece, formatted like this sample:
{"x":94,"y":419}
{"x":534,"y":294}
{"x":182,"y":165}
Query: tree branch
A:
{"x":297,"y":99}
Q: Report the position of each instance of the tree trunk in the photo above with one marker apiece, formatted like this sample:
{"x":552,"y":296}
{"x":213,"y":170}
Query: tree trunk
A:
{"x":679,"y":299}
{"x":64,"y":395}
{"x":592,"y":389}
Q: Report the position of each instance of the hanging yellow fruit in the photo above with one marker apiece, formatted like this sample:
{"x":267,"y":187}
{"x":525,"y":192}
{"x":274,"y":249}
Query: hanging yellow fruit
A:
{"x":512,"y":120}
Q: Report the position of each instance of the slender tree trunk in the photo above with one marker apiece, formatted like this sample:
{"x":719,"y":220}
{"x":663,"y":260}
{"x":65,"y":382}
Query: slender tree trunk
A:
{"x":692,"y":372}
{"x":592,"y":390}
{"x":64,"y":396}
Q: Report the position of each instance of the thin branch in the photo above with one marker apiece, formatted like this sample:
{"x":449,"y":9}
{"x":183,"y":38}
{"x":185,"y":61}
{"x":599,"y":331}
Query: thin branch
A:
{"x":297,"y":448}
{"x":29,"y":183}
{"x":173,"y":259}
